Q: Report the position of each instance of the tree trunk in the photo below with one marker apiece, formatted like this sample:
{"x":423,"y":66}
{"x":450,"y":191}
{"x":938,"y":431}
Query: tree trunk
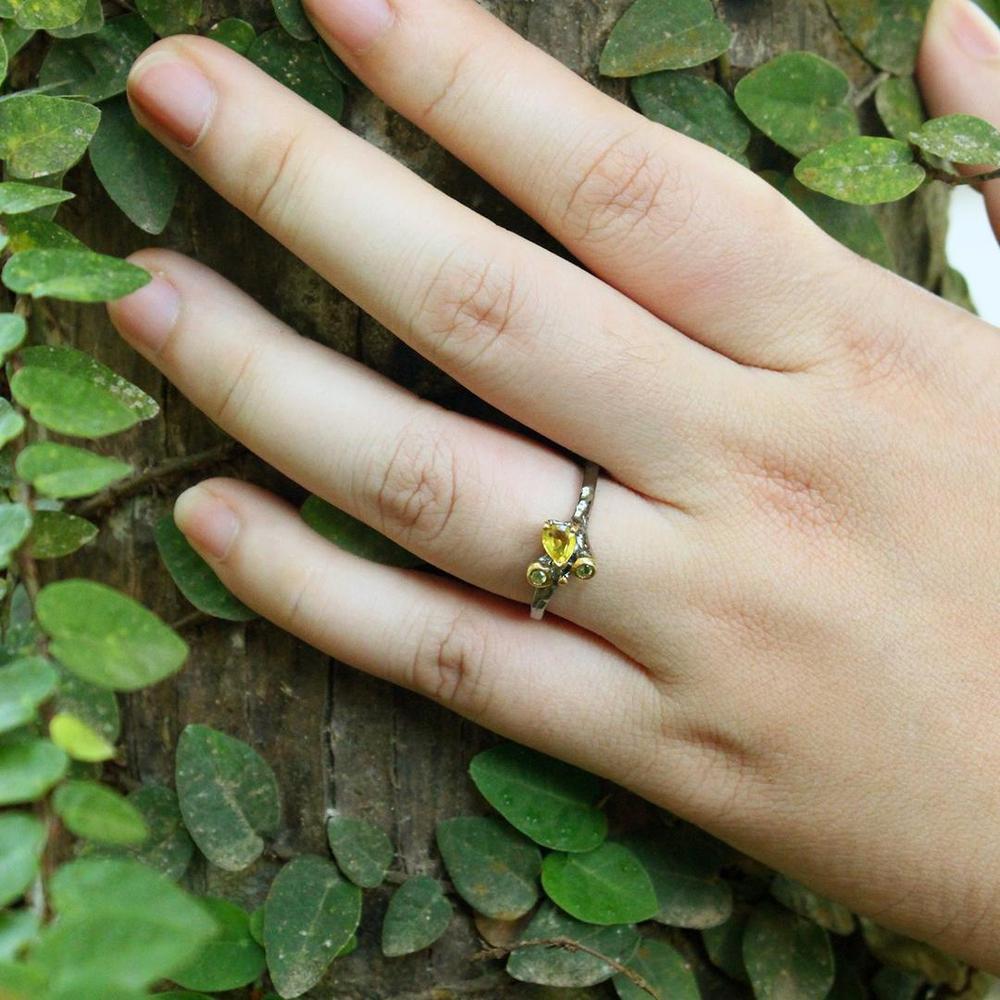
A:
{"x":333,"y":735}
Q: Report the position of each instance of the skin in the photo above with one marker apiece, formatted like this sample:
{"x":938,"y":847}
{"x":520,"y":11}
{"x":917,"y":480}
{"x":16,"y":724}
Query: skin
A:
{"x":792,"y":638}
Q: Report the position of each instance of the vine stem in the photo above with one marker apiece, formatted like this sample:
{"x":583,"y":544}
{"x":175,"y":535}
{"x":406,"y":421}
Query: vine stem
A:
{"x":957,"y":180}
{"x":568,"y":944}
{"x":113,"y":495}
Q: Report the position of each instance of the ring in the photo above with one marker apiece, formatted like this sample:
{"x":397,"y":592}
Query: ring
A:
{"x":566,"y":552}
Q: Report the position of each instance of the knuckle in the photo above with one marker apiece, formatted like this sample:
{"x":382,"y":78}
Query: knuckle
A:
{"x":626,"y":186}
{"x":276,"y":169}
{"x":450,"y":660}
{"x":416,"y":493}
{"x":471,"y":303}
{"x":236,"y":391}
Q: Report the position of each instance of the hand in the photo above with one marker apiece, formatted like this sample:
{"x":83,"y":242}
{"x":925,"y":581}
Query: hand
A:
{"x":793,"y":636}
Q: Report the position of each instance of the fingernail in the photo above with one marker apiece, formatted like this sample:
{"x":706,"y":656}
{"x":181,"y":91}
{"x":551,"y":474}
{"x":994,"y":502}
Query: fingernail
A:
{"x":146,"y":317}
{"x":972,"y":29}
{"x":173,"y":95}
{"x":356,"y":24}
{"x":207,"y":522}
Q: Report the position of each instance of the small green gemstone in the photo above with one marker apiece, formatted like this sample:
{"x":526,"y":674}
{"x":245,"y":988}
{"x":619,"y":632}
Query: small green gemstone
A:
{"x":538,"y":577}
{"x":585,"y":571}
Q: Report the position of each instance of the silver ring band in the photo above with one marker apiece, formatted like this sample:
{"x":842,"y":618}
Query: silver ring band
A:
{"x":565,"y":549}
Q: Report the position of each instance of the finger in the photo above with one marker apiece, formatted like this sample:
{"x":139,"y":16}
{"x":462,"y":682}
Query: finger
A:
{"x":545,"y":683}
{"x":531,"y":333}
{"x":684,"y":230}
{"x":959,"y":72}
{"x":466,"y":496}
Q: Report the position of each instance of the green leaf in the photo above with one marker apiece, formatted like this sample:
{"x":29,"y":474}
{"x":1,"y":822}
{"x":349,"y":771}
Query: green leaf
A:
{"x":683,"y":865}
{"x":15,"y":37}
{"x":494,"y":869}
{"x":21,"y":982}
{"x":28,"y":769}
{"x":228,"y":796}
{"x":300,"y":67}
{"x":96,"y":66}
{"x":13,"y":330}
{"x":799,"y":101}
{"x":28,"y":233}
{"x":292,"y":17}
{"x":121,"y":923}
{"x":605,"y":886}
{"x":74,"y":275}
{"x":168,"y":848}
{"x":363,"y":851}
{"x":95,"y":812}
{"x":90,"y":21}
{"x":17,"y":197}
{"x":913,"y":956}
{"x":169,"y":17}
{"x":886,"y":32}
{"x":417,"y":915}
{"x":310,"y":915}
{"x":55,"y":533}
{"x":338,"y":67}
{"x":15,"y":523}
{"x":3,"y":59}
{"x":806,"y":903}
{"x":195,"y":579}
{"x":60,"y":470}
{"x":961,"y":139}
{"x":107,"y":638}
{"x":24,"y":685}
{"x":786,"y":955}
{"x":954,"y":288}
{"x":230,"y":960}
{"x":78,"y":739}
{"x":862,"y":171}
{"x":67,"y":404}
{"x":234,"y":33}
{"x":22,"y":840}
{"x":724,"y":945}
{"x":354,"y":536}
{"x":42,"y":135}
{"x":81,"y":365}
{"x":900,"y":106}
{"x":547,"y":800}
{"x":11,"y":423}
{"x":695,"y":106}
{"x":853,"y":225}
{"x":17,"y":929}
{"x":48,"y":13}
{"x":565,"y":968}
{"x":140,"y":176}
{"x":95,"y":706}
{"x":664,"y":34}
{"x":664,"y":968}
{"x":895,"y":984}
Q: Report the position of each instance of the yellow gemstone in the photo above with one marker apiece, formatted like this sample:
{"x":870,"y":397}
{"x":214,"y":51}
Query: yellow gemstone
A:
{"x":559,"y":542}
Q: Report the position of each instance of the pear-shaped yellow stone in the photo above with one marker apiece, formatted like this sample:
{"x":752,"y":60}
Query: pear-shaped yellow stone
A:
{"x":559,"y":542}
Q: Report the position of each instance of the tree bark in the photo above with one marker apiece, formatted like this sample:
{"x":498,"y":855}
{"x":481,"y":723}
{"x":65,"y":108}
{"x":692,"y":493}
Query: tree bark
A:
{"x":333,"y":735}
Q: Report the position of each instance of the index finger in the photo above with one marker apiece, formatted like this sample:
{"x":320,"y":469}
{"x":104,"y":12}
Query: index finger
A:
{"x":684,"y":230}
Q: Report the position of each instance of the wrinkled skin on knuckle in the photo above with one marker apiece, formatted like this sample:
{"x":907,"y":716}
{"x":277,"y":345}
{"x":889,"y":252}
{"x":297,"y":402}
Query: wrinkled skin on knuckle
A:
{"x":451,"y":662}
{"x":415,"y":493}
{"x":625,"y":185}
{"x":472,"y":304}
{"x":275,"y":170}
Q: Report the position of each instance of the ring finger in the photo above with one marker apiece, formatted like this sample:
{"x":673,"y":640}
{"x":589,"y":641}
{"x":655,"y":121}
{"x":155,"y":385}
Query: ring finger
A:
{"x":466,"y":496}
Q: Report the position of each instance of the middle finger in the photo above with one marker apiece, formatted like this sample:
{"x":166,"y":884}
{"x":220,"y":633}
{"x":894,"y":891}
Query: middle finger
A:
{"x":530,"y":332}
